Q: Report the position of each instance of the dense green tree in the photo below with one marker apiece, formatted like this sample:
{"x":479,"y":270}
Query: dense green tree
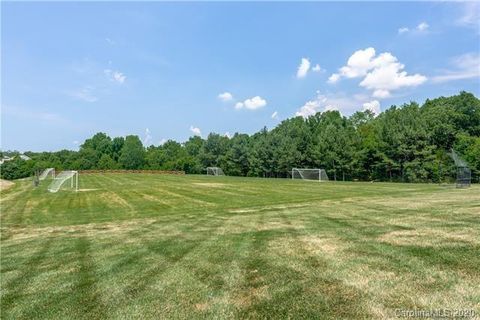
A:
{"x":117,"y":145}
{"x":132,"y":155}
{"x":107,"y":163}
{"x":213,"y":151}
{"x":469,"y":148}
{"x":236,"y":158}
{"x":403,"y":143}
{"x":17,"y":168}
{"x":100,"y":142}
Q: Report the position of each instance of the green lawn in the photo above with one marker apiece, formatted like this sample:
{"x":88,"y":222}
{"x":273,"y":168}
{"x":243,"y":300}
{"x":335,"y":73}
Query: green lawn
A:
{"x":152,"y":246}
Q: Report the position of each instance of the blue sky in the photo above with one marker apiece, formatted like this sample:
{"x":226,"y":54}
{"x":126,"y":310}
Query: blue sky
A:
{"x":171,"y":70}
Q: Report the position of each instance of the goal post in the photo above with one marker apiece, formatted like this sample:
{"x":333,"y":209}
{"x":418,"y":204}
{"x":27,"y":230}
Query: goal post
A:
{"x":309,"y":174}
{"x":215,"y":171}
{"x":64,"y":176}
{"x":46,"y":172}
{"x":464,"y":174}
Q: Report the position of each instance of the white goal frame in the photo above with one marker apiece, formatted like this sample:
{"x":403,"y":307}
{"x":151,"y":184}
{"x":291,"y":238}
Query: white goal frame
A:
{"x":59,"y":180}
{"x":309,"y":174}
{"x":215,"y":171}
{"x":46,"y":172}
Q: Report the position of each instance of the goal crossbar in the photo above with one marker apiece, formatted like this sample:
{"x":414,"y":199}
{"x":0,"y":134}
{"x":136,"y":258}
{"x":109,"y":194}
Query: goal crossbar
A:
{"x":215,"y":171}
{"x":309,"y":174}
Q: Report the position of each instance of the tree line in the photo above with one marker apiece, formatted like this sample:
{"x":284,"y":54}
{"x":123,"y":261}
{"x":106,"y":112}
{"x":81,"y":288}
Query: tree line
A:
{"x":408,"y":143}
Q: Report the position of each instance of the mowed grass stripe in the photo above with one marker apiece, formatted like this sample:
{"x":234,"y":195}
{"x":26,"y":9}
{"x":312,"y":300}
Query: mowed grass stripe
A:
{"x":261,"y":248}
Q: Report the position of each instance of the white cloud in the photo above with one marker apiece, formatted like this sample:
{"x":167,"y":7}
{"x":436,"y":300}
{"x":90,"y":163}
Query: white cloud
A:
{"x":331,"y":107}
{"x":115,"y":76}
{"x":227,"y":134}
{"x":423,"y":26}
{"x":358,"y":64}
{"x":148,"y":137}
{"x":309,"y":108}
{"x":373,"y":106}
{"x":252,"y":103}
{"x":226,"y":96}
{"x":39,"y":116}
{"x":470,"y":16}
{"x":381,"y":94}
{"x":466,"y":66}
{"x":85,"y":94}
{"x":76,"y":142}
{"x":110,"y":41}
{"x":162,"y":141}
{"x":303,"y":68}
{"x":274,"y":115}
{"x":196,"y":131}
{"x":334,"y":78}
{"x":325,"y":102}
{"x":345,"y":104}
{"x":382,"y":73}
{"x":119,"y":77}
{"x":389,"y":75}
{"x":317,"y":68}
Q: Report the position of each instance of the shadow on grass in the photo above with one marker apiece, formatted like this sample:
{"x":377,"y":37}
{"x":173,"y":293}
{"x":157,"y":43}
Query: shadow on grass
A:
{"x":303,"y":294}
{"x":87,"y":297}
{"x":16,"y":287}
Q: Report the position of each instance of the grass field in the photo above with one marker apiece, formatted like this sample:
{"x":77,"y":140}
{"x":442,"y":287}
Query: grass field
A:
{"x":152,"y":246}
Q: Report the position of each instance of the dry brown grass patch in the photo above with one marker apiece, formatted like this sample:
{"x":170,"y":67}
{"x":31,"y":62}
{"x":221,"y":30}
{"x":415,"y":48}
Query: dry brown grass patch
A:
{"x":248,"y":223}
{"x":115,"y":199}
{"x":431,"y":237}
{"x":211,"y":184}
{"x":270,"y":208}
{"x":201,"y":306}
{"x":318,"y":244}
{"x":311,"y":245}
{"x":246,"y":297}
{"x":5,"y":184}
{"x":91,"y":229}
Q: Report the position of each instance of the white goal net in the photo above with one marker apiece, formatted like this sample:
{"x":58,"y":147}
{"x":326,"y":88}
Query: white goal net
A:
{"x":215,"y":171}
{"x":309,"y":174}
{"x":46,"y":172}
{"x":64,"y":176}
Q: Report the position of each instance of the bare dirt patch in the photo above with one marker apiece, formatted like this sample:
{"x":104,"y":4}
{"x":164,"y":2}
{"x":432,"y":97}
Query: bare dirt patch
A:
{"x":5,"y":184}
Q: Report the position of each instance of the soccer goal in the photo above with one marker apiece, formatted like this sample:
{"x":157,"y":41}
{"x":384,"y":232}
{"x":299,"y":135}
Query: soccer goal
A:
{"x":309,"y":174}
{"x":215,"y":171}
{"x":464,"y":174}
{"x":46,"y":172}
{"x":64,"y":176}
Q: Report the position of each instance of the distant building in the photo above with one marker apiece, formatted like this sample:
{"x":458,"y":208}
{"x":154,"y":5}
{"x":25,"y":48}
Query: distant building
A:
{"x":7,"y":158}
